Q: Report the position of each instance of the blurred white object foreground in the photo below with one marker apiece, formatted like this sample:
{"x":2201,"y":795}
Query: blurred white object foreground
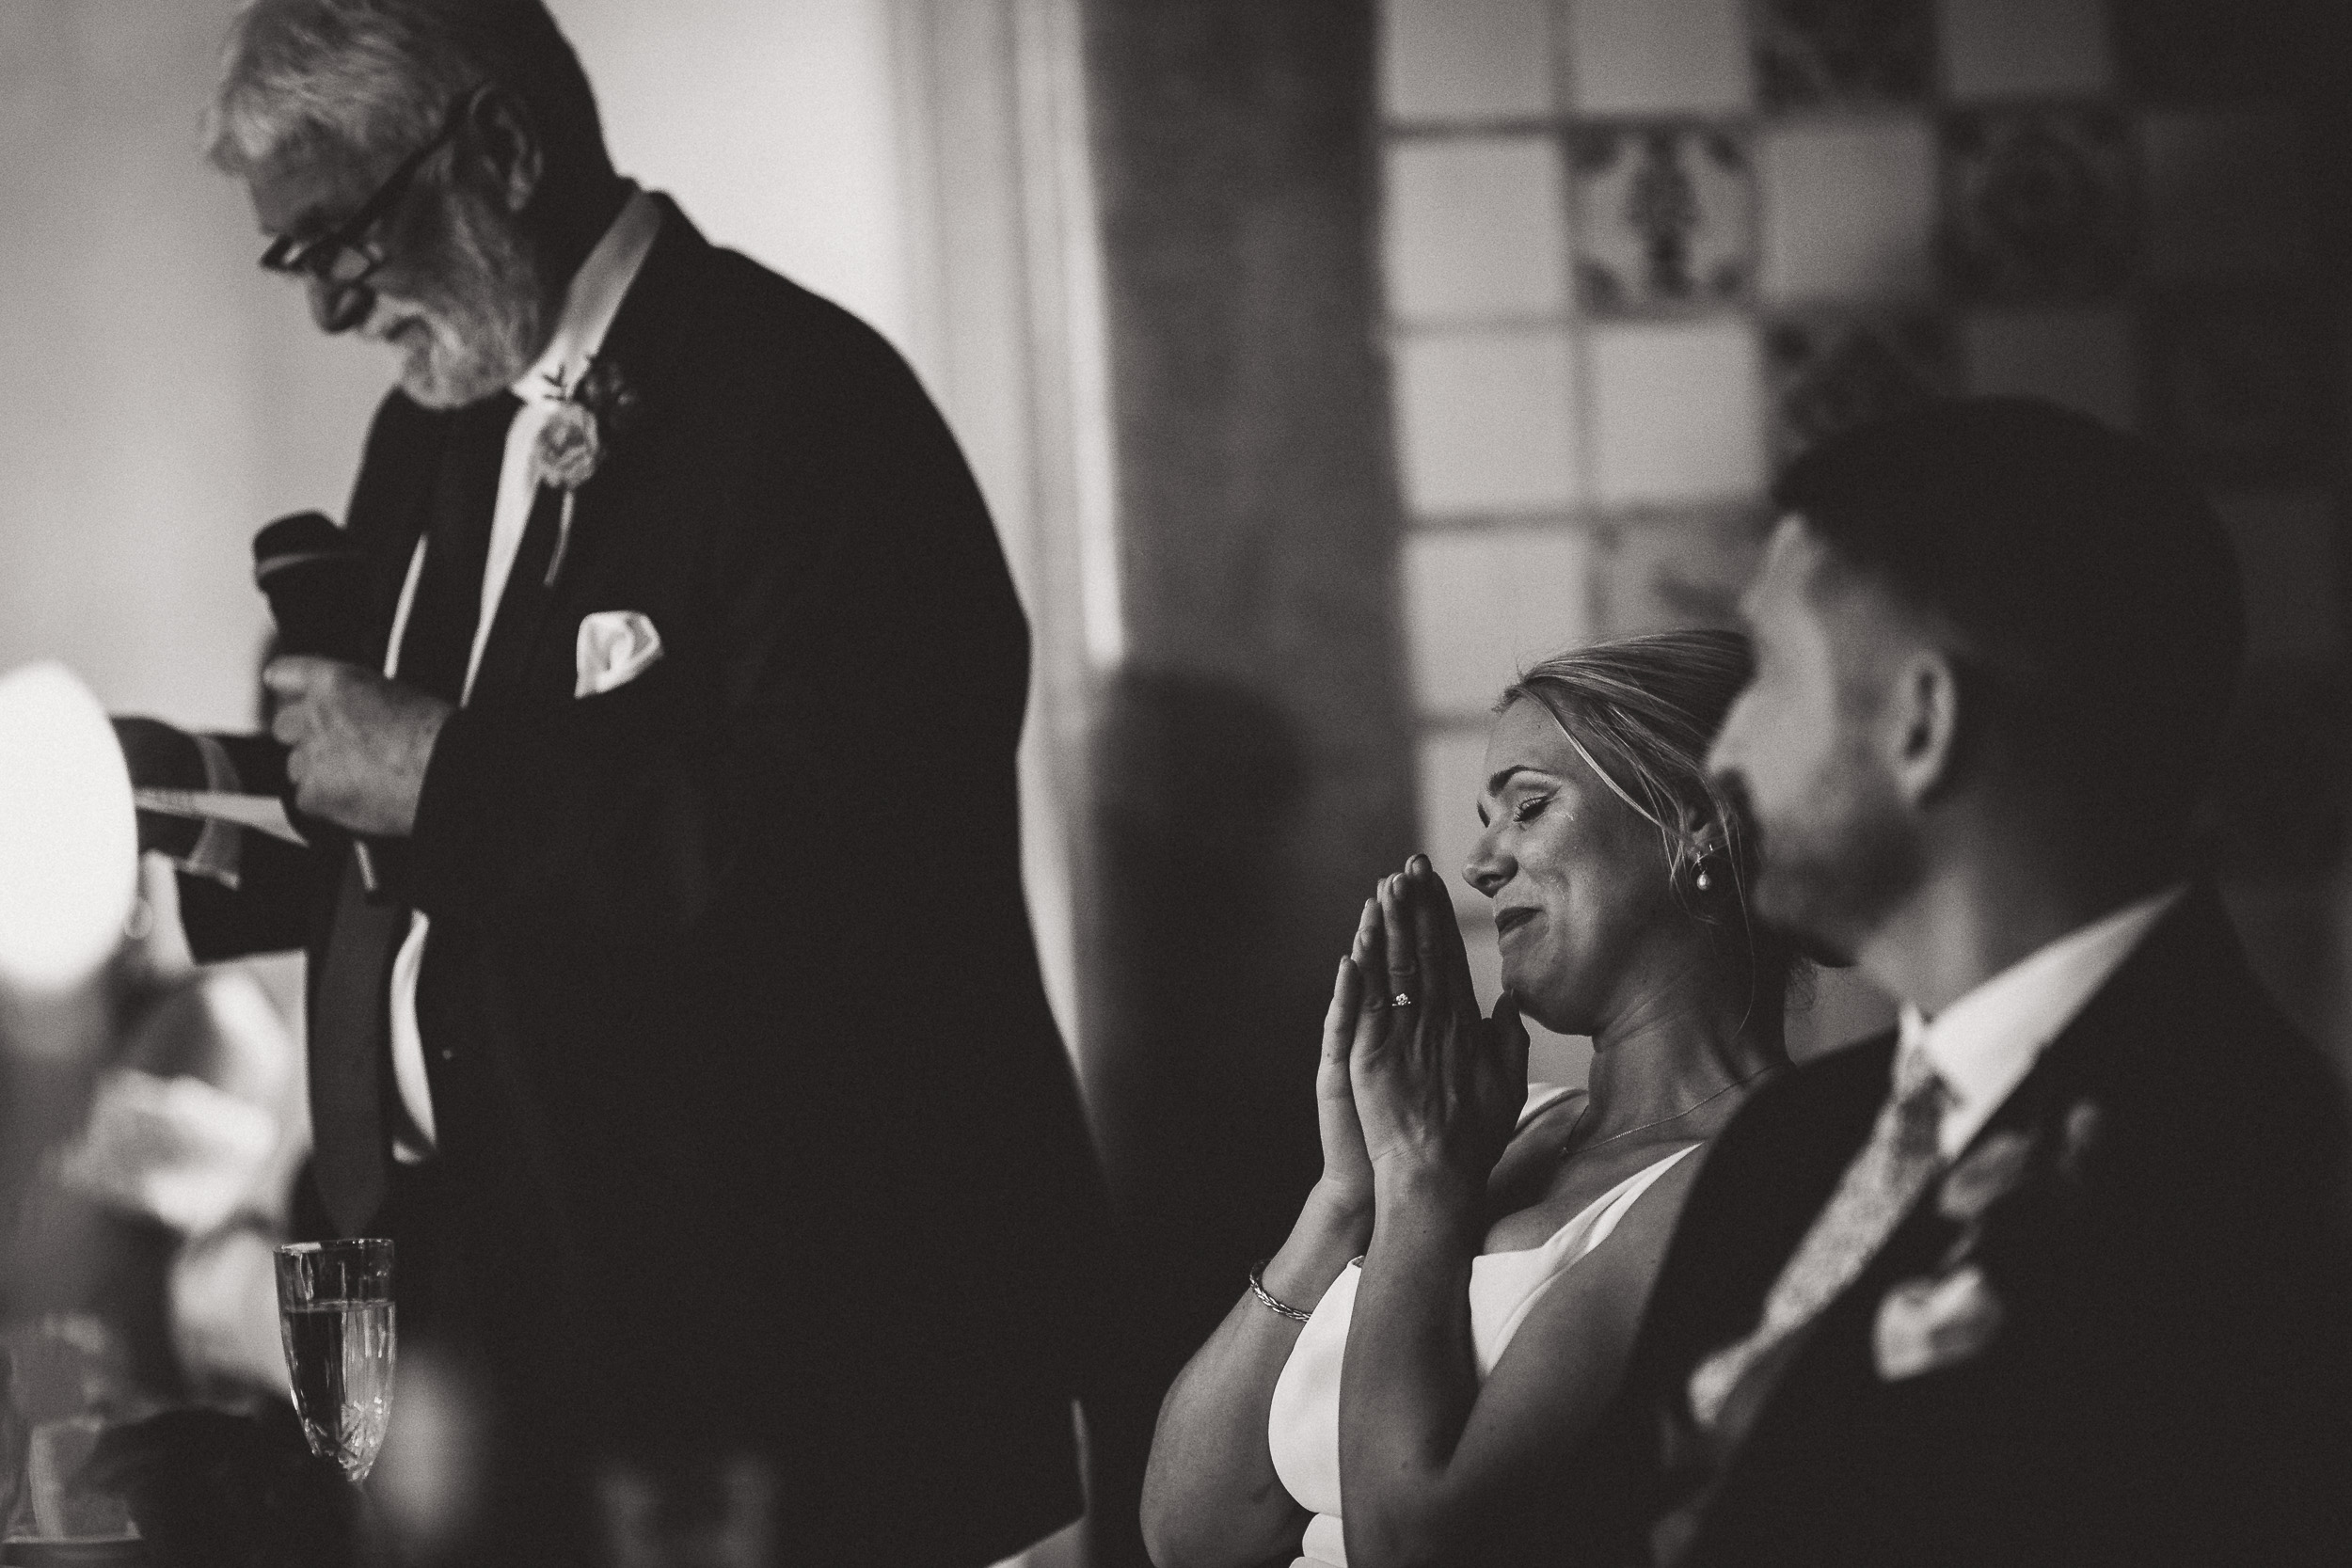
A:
{"x":68,"y":840}
{"x":197,"y":1123}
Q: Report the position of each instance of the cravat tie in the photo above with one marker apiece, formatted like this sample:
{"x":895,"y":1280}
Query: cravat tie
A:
{"x":1877,"y":1190}
{"x":351,"y":1032}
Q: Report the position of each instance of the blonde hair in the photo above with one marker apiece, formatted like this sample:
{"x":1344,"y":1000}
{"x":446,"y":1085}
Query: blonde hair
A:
{"x":1640,"y":713}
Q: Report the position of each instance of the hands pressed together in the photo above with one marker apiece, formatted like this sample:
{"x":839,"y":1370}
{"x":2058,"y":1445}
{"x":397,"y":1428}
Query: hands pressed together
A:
{"x":1413,"y":1079}
{"x":360,"y":742}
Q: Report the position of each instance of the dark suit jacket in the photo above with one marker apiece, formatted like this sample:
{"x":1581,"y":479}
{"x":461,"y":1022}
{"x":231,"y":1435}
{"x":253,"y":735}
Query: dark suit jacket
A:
{"x":2165,"y":1384}
{"x":738,"y":1043}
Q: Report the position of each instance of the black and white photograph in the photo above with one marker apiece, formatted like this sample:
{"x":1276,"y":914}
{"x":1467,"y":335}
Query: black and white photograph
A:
{"x":1175,"y":784}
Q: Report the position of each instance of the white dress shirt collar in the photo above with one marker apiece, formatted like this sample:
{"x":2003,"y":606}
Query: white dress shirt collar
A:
{"x":1983,"y":1045}
{"x":593,"y":299}
{"x":591,"y":302}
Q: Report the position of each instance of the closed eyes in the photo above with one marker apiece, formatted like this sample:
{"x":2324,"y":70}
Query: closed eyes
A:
{"x":1526,"y":811}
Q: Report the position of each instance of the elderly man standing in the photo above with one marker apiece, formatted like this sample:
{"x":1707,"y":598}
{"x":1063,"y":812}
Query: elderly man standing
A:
{"x":673,"y":1000}
{"x":2054,"y":1273}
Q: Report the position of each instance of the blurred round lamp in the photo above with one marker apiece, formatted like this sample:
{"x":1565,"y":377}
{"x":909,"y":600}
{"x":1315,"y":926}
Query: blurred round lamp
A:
{"x":69,"y":838}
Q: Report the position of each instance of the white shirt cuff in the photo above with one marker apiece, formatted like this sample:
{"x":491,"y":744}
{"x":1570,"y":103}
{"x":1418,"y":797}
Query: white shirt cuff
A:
{"x":219,"y":851}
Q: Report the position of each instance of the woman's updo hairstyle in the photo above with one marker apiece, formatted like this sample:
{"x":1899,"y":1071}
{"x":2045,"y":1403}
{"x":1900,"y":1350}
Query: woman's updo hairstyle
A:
{"x":1640,"y":712}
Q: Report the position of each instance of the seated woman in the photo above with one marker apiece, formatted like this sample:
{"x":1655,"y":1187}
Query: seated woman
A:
{"x":1429,"y":1402}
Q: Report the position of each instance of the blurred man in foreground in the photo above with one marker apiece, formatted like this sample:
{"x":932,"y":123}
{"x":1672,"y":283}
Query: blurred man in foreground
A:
{"x":2054,"y":1273}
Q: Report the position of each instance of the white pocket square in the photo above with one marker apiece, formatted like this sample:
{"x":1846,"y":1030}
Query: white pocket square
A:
{"x":1925,"y":1324}
{"x":615,"y":647}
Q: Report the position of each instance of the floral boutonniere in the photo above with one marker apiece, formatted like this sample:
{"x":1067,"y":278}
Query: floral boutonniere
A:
{"x":1954,"y":1313}
{"x":1985,"y":1174}
{"x":591,"y":411}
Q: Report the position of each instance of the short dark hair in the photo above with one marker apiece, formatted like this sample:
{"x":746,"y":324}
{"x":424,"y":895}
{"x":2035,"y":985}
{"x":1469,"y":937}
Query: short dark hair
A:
{"x":2077,"y":566}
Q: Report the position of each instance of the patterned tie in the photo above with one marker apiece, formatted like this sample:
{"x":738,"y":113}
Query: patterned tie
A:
{"x":1877,"y":1190}
{"x":351,"y":1007}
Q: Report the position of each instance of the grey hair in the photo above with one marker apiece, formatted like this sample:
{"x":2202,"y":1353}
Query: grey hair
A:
{"x":380,"y":78}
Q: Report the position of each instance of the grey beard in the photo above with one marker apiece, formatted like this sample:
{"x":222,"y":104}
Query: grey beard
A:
{"x":488,"y":320}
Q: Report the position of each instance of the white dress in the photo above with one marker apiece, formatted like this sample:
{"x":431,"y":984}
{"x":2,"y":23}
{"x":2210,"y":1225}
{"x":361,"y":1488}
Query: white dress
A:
{"x":1303,"y":1426}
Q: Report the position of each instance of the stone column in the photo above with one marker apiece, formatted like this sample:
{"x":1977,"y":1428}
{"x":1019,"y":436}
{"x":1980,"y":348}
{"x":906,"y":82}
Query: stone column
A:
{"x":1253,"y":762}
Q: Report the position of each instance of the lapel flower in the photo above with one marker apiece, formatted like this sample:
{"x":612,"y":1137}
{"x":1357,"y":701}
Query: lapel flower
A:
{"x":1926,"y":1323}
{"x":590,"y":410}
{"x":570,"y":448}
{"x":1985,"y":1174}
{"x":2085,"y":1127}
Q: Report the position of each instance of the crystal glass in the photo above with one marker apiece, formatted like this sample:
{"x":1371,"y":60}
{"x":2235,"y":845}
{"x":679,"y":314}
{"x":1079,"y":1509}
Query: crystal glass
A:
{"x":335,"y":1315}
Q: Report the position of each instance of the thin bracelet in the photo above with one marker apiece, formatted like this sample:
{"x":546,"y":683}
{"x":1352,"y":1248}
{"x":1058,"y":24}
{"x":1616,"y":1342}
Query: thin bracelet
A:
{"x":1267,"y":1299}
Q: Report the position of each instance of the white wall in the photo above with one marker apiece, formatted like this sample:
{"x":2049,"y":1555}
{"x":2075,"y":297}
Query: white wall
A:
{"x":775,"y":124}
{"x":160,"y":397}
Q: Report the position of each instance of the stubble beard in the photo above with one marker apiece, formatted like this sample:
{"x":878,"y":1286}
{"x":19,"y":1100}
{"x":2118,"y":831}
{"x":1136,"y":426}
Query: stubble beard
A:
{"x":1830,"y":874}
{"x":483,"y":323}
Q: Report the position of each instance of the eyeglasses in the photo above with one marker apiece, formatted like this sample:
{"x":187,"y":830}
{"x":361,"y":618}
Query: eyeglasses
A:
{"x":347,"y":255}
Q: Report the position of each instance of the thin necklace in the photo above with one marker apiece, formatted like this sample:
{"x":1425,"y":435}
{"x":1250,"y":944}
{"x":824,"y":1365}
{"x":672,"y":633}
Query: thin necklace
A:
{"x":1569,"y":1141}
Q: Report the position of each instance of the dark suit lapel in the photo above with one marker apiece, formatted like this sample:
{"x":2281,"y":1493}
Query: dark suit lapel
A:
{"x":2138,"y":1013}
{"x":393,"y":518}
{"x":1766,"y":1180}
{"x":642,"y":343}
{"x":507,"y":656}
{"x":2117,"y":1043}
{"x":2125,"y":1021}
{"x":2136,"y":1060}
